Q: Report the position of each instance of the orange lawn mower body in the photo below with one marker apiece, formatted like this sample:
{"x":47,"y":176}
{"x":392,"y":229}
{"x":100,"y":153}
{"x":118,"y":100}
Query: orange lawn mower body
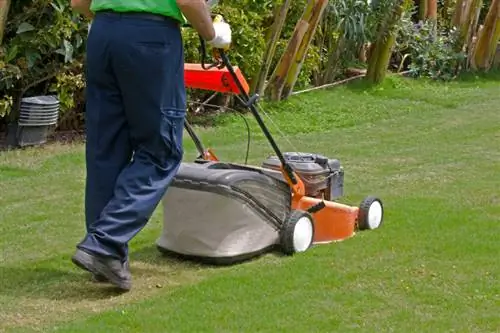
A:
{"x":335,"y":221}
{"x":294,"y":193}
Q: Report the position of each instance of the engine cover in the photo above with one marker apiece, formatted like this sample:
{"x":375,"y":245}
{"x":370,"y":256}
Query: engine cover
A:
{"x":322,"y":177}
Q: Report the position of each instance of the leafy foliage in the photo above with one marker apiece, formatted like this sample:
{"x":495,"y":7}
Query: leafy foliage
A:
{"x":248,"y":20}
{"x":343,"y":33}
{"x":432,"y":54}
{"x":44,"y":46}
{"x":43,"y":41}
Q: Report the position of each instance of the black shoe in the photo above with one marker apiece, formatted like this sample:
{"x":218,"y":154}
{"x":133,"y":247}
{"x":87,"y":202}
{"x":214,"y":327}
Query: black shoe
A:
{"x":104,"y":268}
{"x":99,"y":278}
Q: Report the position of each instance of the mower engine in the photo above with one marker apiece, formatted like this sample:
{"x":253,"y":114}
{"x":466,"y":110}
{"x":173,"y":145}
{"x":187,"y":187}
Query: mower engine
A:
{"x":323,"y":177}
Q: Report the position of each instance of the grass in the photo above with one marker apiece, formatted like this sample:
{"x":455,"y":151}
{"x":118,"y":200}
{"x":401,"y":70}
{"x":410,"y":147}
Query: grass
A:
{"x":429,"y":150}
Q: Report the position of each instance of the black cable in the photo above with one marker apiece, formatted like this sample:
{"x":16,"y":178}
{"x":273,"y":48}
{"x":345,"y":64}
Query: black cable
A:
{"x":249,"y":134}
{"x":248,"y":137}
{"x":248,"y":130}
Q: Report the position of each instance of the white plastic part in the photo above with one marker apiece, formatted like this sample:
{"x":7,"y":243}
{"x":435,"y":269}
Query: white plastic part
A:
{"x":374,"y":216}
{"x":303,"y":234}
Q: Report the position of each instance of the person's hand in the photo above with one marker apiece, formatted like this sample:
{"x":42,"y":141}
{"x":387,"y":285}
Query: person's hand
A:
{"x":223,"y":34}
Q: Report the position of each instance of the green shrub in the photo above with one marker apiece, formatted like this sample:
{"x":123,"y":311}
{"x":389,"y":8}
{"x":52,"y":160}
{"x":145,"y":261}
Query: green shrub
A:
{"x":247,"y":23}
{"x":44,"y":45}
{"x":431,"y":51}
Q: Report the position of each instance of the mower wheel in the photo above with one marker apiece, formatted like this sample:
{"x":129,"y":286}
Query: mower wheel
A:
{"x":297,"y":233}
{"x":371,"y":213}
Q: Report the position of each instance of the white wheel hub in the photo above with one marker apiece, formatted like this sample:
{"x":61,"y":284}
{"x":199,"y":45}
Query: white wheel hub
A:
{"x":302,"y":234}
{"x":374,"y":216}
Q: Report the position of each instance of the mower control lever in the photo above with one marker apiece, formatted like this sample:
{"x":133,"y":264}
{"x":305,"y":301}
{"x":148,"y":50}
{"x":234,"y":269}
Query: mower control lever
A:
{"x":223,"y":61}
{"x":203,"y":50}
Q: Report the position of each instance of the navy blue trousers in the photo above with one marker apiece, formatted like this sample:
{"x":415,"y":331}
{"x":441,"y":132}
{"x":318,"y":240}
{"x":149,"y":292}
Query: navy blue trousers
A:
{"x":135,"y":110}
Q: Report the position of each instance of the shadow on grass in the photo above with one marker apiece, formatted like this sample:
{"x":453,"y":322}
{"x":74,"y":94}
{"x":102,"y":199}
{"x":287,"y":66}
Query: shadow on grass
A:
{"x":475,"y":77}
{"x":394,"y":81}
{"x":8,"y":172}
{"x":172,"y":258}
{"x":50,"y":283}
{"x":360,"y":86}
{"x":58,"y":279}
{"x":152,"y":255}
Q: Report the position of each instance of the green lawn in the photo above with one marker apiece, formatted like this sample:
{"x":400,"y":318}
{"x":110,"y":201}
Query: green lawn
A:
{"x":430,"y":151}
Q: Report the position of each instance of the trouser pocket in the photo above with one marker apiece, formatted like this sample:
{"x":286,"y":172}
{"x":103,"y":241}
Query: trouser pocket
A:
{"x":172,"y":128}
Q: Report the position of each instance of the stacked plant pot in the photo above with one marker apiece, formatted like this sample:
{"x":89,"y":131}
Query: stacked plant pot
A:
{"x":37,"y":115}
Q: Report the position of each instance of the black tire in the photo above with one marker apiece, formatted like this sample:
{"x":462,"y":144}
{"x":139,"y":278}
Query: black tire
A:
{"x":364,"y":209}
{"x":288,"y":229}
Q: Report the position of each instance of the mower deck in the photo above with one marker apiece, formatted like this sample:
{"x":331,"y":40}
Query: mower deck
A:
{"x":335,"y":222}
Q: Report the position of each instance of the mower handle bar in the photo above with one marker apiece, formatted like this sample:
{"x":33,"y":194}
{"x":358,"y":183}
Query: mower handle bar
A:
{"x":248,"y":102}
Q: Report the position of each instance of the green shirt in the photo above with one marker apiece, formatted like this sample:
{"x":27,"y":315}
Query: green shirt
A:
{"x":162,"y":7}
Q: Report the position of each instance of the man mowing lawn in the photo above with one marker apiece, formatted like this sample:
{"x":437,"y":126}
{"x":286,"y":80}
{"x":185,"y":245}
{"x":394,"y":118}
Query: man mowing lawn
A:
{"x":135,"y":109}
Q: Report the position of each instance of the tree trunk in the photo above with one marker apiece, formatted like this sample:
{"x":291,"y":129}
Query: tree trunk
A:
{"x":471,"y":37}
{"x":468,"y":23}
{"x":381,"y":51}
{"x":496,"y":58}
{"x":382,"y":54}
{"x":333,"y":59}
{"x":323,"y":43}
{"x":458,"y":13}
{"x":292,"y":75}
{"x":278,"y":78}
{"x":422,"y":9}
{"x":487,"y":40}
{"x":259,"y":81}
{"x":4,"y":11}
{"x":445,"y":13}
{"x":431,"y":10}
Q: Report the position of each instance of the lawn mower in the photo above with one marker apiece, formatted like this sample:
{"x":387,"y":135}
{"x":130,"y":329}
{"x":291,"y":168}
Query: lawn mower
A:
{"x":225,"y":213}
